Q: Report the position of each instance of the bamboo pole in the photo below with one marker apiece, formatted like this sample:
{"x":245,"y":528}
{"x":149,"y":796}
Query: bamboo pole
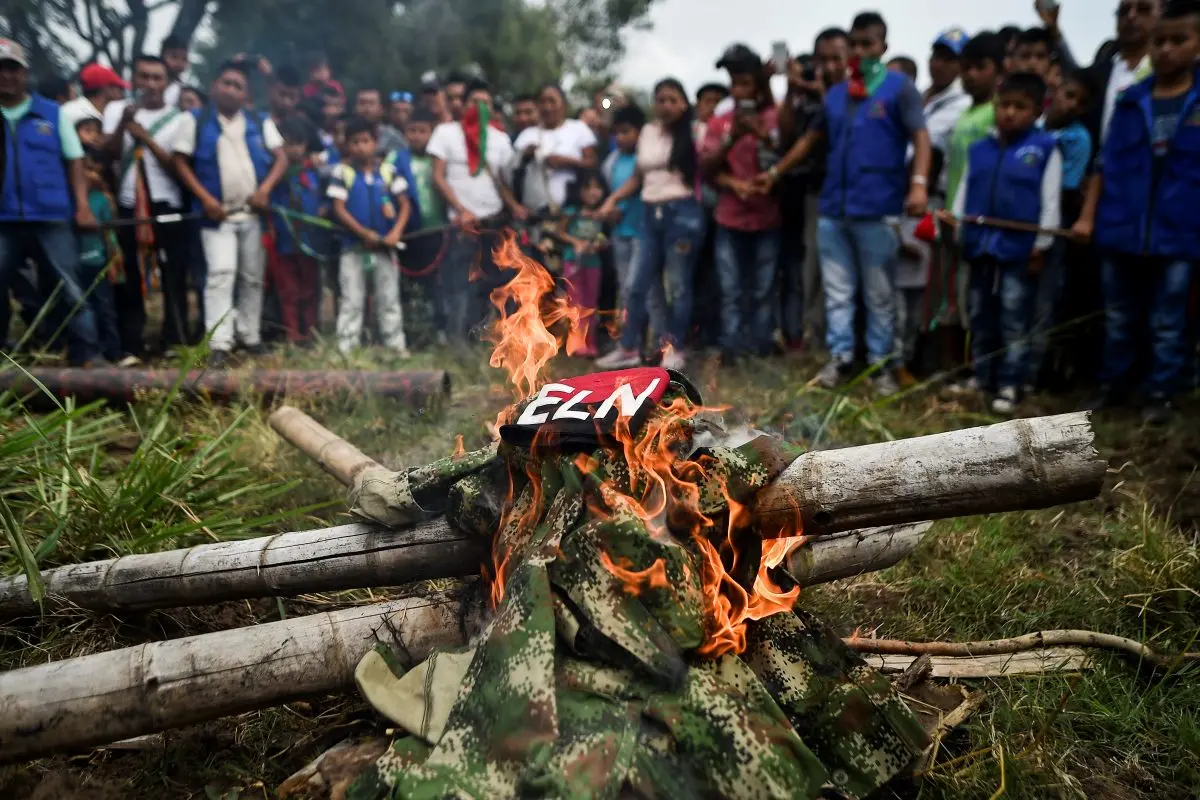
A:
{"x":106,"y":697}
{"x":1018,"y":465}
{"x":336,"y":456}
{"x":353,"y":557}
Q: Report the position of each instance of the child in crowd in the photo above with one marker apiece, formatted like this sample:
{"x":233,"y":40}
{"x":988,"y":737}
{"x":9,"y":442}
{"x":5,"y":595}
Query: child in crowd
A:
{"x":423,"y":311}
{"x":293,"y":265}
{"x":1069,"y":105}
{"x":372,"y":202}
{"x":1015,"y":174}
{"x":582,"y":234}
{"x":100,"y":258}
{"x":619,"y":167}
{"x":91,"y":132}
{"x":1034,"y":51}
{"x":191,"y":98}
{"x":1143,"y":206}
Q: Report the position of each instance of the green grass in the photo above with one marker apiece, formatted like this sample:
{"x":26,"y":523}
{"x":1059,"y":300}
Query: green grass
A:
{"x":1126,"y":563}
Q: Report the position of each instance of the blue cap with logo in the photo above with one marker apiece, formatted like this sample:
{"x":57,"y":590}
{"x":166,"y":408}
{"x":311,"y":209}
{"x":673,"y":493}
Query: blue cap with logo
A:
{"x":954,"y":40}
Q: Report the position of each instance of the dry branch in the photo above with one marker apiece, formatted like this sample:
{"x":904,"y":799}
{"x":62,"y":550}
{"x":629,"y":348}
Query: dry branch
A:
{"x":1023,"y":464}
{"x":353,"y":557}
{"x":120,"y":694}
{"x":1034,"y":662}
{"x":336,"y":456}
{"x":1019,"y":644}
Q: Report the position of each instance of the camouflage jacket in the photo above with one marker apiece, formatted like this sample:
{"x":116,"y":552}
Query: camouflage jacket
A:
{"x":584,"y":685}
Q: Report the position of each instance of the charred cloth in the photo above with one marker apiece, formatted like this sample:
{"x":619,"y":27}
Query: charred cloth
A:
{"x":642,"y":641}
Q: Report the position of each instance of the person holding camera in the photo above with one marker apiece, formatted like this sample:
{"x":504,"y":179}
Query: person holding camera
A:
{"x":738,"y":146}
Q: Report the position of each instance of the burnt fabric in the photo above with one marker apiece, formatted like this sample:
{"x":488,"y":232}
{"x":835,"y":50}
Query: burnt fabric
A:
{"x":596,"y":676}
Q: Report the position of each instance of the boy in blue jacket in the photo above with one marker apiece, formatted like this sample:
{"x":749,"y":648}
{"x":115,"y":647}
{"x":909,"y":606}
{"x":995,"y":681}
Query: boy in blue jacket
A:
{"x":1143,"y":206}
{"x":1015,"y":174}
{"x":294,"y":268}
{"x":371,"y":201}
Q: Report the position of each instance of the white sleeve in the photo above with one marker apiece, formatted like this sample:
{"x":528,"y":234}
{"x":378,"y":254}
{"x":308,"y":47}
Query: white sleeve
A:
{"x":522,"y":141}
{"x":185,"y":137}
{"x":1051,"y":199}
{"x":172,"y":93}
{"x":112,"y":116}
{"x":271,"y":136}
{"x":585,"y":136}
{"x":960,"y":199}
{"x":439,"y":142}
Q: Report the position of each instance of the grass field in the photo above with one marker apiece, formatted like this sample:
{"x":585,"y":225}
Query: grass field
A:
{"x":79,"y":484}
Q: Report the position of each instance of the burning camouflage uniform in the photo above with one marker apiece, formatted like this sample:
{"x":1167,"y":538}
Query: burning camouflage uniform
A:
{"x":581,"y":687}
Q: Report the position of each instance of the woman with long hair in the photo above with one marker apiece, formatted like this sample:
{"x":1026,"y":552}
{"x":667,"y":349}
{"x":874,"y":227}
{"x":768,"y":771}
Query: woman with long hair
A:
{"x":672,"y":231}
{"x":553,"y":151}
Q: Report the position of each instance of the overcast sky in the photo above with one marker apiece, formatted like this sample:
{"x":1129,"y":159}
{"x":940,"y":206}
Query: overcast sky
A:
{"x":689,"y":35}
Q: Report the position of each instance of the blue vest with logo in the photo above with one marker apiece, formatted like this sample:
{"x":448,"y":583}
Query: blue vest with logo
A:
{"x":299,"y":192}
{"x":1135,"y":217}
{"x":204,"y":160}
{"x":367,"y":200}
{"x":36,"y":186}
{"x":1005,"y":181}
{"x":868,"y":176}
{"x":402,"y":161}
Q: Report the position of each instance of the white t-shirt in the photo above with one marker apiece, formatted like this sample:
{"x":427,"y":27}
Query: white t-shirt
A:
{"x":478,"y":193}
{"x":163,"y":187}
{"x":238,"y":179}
{"x":569,"y":139}
{"x":172,"y":92}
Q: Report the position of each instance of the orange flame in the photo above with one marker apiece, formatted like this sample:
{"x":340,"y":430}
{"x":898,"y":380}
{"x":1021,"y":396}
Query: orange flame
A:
{"x":459,"y":449}
{"x":665,"y":486}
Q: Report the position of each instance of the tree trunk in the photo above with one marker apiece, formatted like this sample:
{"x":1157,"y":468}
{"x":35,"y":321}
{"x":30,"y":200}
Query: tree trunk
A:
{"x":354,"y":557}
{"x":347,"y":557}
{"x":120,"y":694}
{"x":1013,"y":466}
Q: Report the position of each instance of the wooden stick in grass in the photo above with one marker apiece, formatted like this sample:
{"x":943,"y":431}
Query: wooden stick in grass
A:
{"x":107,"y":697}
{"x":355,"y":556}
{"x":1014,"y":466}
{"x":1019,"y":644}
{"x":336,"y":456}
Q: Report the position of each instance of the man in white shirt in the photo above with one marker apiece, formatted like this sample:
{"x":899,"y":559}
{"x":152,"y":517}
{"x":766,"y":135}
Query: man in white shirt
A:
{"x":141,"y":137}
{"x":101,"y":86}
{"x":230,"y":163}
{"x":1136,"y":20}
{"x":476,"y":195}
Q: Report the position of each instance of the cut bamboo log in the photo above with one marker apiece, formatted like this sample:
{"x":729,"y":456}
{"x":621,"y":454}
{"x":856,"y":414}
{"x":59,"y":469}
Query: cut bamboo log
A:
{"x":1018,"y":465}
{"x":1034,"y":662}
{"x":355,"y":556}
{"x":121,"y":694}
{"x":336,"y":456}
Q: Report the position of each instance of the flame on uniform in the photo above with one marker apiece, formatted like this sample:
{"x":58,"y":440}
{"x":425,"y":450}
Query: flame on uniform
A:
{"x":665,"y":484}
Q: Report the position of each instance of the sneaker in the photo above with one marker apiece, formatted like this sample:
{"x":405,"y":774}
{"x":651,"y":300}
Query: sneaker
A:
{"x":129,"y":362}
{"x":905,"y":378}
{"x":884,"y":383}
{"x":833,"y":374}
{"x":1005,"y":402}
{"x":1158,"y":411}
{"x":673,"y":359}
{"x":971,"y":385}
{"x":218,"y":359}
{"x":441,"y":339}
{"x":620,"y":359}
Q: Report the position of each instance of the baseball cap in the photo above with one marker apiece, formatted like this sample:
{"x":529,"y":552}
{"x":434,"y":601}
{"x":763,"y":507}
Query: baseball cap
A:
{"x":739,"y":56}
{"x":11,"y":51}
{"x":954,"y":40}
{"x":430,"y":82}
{"x":98,"y":76}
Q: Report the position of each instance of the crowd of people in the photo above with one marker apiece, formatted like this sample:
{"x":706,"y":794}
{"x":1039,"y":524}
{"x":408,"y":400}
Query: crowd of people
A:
{"x":1018,"y":196}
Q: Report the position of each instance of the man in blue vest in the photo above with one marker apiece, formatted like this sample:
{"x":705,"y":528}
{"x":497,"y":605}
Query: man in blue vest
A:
{"x":231,"y":162}
{"x":869,"y":122}
{"x":42,"y":190}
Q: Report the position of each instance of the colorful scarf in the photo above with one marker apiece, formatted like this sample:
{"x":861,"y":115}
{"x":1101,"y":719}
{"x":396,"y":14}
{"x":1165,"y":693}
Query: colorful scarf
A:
{"x":866,"y":75}
{"x":476,"y":121}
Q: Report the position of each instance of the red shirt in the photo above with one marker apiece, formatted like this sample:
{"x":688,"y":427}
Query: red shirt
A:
{"x":758,"y":212}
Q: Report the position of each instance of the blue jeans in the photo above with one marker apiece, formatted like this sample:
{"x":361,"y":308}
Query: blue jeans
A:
{"x":672,"y":235}
{"x":1001,"y":299}
{"x":102,"y":302}
{"x":1141,"y":294}
{"x":854,"y":251}
{"x":746,"y":265}
{"x":53,"y":244}
{"x":1050,"y":284}
{"x":626,"y":250}
{"x":466,"y":278}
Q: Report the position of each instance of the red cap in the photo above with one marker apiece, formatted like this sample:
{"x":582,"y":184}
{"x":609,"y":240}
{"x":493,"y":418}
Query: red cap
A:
{"x":98,"y":76}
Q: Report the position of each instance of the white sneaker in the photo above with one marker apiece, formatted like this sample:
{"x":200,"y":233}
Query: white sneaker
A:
{"x":674,"y":359}
{"x":1005,"y":402}
{"x":402,"y":352}
{"x":620,"y":359}
{"x":885,"y":383}
{"x":969,"y":386}
{"x":129,"y":362}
